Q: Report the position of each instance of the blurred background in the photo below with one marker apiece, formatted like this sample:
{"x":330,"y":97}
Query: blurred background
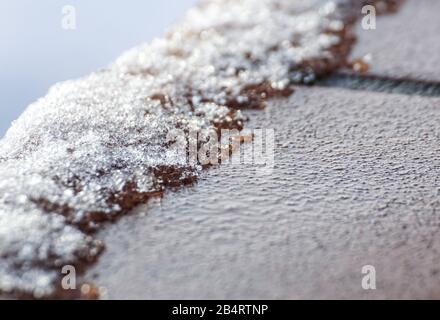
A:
{"x":37,"y":51}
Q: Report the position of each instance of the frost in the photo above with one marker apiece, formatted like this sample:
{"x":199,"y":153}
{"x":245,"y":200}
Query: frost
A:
{"x":95,"y":147}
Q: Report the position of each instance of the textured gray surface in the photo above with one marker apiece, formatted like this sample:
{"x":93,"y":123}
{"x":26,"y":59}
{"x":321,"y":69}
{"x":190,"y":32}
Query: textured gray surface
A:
{"x":356,"y":182}
{"x":405,"y":44}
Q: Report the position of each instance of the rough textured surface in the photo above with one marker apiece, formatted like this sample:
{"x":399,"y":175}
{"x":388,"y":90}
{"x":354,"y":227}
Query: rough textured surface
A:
{"x":356,"y":182}
{"x":94,"y":148}
{"x":404,"y":45}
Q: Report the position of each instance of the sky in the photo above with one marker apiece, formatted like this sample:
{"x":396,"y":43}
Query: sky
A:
{"x":41,"y":44}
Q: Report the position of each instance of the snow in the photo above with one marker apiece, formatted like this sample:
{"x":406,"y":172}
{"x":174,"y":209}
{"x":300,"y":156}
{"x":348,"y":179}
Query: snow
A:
{"x":74,"y":157}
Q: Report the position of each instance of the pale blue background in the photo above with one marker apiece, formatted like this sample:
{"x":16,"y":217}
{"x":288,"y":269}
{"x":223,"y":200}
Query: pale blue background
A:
{"x":36,"y":52}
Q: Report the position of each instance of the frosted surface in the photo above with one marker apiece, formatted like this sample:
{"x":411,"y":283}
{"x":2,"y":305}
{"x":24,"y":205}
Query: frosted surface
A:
{"x":95,"y":147}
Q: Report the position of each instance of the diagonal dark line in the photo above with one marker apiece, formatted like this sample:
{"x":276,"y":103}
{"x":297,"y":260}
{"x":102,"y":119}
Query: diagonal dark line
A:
{"x":381,"y":84}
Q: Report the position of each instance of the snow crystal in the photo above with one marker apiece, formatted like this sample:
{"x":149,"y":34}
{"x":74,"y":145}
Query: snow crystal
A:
{"x":95,"y":147}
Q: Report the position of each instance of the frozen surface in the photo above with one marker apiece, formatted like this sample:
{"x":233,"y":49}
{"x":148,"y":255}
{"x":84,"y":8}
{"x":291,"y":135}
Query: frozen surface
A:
{"x":356,"y":182}
{"x":95,"y":147}
{"x":404,"y":45}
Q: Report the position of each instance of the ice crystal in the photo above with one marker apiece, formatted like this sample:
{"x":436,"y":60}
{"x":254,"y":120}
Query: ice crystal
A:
{"x":95,"y":147}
